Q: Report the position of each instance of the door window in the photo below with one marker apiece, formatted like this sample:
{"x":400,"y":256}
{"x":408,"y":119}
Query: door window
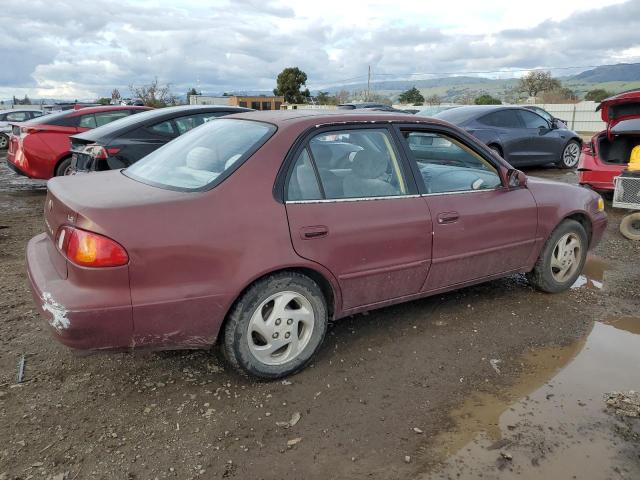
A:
{"x":102,"y":118}
{"x":87,"y":121}
{"x":186,"y":123}
{"x":502,"y":118}
{"x":359,"y":163}
{"x":447,"y":165}
{"x":163,"y":128}
{"x":532,"y":120}
{"x":17,"y":116}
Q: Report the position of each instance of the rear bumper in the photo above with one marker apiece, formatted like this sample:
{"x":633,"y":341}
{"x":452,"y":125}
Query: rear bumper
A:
{"x":16,"y":169}
{"x":89,"y":314}
{"x":597,"y":174}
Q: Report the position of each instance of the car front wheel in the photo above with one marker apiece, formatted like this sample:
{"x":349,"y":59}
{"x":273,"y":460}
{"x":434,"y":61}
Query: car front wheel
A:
{"x":570,"y":155}
{"x":562,"y":258}
{"x":276,"y":327}
{"x":4,"y":141}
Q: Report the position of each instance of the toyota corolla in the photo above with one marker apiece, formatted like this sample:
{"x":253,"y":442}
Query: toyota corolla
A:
{"x":255,"y":230}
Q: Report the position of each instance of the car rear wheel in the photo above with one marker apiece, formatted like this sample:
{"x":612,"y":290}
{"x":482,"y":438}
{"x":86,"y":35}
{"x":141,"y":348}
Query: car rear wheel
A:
{"x":570,"y":155}
{"x":4,"y":141}
{"x":630,"y":226}
{"x":64,"y":167}
{"x":561,"y":259}
{"x":276,"y":327}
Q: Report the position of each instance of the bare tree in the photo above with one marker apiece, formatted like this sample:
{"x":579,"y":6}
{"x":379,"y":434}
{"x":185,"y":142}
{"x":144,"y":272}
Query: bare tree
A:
{"x":433,"y":100}
{"x":154,"y":94}
{"x":115,"y":96}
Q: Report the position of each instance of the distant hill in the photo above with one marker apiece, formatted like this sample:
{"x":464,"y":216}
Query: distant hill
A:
{"x":622,"y":72}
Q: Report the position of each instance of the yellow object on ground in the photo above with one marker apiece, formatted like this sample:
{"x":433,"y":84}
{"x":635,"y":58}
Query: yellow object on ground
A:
{"x":634,"y":160}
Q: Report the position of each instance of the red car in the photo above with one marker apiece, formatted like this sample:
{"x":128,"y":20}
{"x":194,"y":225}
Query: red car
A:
{"x":608,"y":152}
{"x":257,"y":229}
{"x":40,"y":148}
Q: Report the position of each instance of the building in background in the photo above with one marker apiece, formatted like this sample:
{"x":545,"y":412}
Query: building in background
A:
{"x":259,"y":102}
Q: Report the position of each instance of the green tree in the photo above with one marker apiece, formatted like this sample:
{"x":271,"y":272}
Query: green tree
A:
{"x":487,"y":99}
{"x":597,"y":94}
{"x":412,"y":95}
{"x":538,"y":81}
{"x":289,"y":85}
{"x":192,"y":91}
{"x":323,"y":98}
{"x":104,"y":101}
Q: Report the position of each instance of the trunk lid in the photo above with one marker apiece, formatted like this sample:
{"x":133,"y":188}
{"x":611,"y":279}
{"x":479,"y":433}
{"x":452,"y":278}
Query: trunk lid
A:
{"x":620,"y":107}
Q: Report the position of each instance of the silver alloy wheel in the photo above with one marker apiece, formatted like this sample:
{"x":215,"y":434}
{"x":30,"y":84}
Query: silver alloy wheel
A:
{"x":4,"y":141}
{"x":571,"y":154}
{"x":280,"y":328}
{"x":565,"y":258}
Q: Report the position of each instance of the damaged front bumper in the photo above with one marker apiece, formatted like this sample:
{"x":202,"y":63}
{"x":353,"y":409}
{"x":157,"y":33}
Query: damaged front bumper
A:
{"x":88,"y":309}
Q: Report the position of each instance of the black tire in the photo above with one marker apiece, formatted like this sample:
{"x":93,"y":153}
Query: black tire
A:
{"x":570,"y":155}
{"x":63,"y":167}
{"x":4,"y":141}
{"x":236,"y":336}
{"x":541,"y":276}
{"x":630,"y":226}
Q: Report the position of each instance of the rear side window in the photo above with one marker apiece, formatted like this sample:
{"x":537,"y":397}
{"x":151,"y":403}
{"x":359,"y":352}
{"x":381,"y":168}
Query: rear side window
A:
{"x":359,"y":163}
{"x":163,"y":128}
{"x":502,"y":118}
{"x":87,"y":121}
{"x":202,"y":158}
{"x":188,"y":122}
{"x":17,"y":116}
{"x":102,"y":118}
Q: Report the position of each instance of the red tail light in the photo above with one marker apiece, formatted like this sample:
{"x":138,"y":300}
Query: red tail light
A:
{"x":24,"y":131}
{"x":89,"y":249}
{"x":99,"y":152}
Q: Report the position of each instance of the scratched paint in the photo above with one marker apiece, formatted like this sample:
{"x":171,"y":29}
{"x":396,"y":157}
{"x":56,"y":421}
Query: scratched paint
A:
{"x":59,"y":319}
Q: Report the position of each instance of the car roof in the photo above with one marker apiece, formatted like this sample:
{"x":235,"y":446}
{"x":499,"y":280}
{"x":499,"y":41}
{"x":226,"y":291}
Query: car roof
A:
{"x":118,"y":127}
{"x":318,"y":117}
{"x":10,"y":110}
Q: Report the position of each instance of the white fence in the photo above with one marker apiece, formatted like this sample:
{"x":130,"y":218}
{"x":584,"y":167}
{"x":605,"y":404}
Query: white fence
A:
{"x":581,"y":117}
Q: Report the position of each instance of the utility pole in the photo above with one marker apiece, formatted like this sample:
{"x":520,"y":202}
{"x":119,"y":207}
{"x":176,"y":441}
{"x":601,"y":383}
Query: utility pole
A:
{"x":369,"y":84}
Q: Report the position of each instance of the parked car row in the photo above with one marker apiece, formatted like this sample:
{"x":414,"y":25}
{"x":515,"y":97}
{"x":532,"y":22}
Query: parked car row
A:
{"x":254,"y":230}
{"x":14,"y":115}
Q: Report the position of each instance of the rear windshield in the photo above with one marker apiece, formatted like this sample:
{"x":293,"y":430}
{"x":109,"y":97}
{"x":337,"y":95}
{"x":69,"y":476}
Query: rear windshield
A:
{"x":457,"y":115}
{"x":203,"y":157}
{"x":49,"y":118}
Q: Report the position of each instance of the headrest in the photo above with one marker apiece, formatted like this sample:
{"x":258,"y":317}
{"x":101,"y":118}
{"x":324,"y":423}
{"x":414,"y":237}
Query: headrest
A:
{"x":203,"y":158}
{"x":369,"y":164}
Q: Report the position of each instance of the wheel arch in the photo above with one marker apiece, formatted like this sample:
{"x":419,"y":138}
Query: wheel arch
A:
{"x":60,"y":159}
{"x":329,"y":288}
{"x":583,"y":219}
{"x":496,"y":145}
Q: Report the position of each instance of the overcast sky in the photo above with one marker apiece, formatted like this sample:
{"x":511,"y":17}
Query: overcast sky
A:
{"x":83,"y":49}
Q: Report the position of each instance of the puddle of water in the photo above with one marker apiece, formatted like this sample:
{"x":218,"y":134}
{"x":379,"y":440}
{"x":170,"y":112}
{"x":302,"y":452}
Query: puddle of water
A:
{"x":593,"y":273}
{"x":553,"y":423}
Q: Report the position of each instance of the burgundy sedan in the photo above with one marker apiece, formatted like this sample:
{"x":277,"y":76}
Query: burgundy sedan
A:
{"x":255,"y":230}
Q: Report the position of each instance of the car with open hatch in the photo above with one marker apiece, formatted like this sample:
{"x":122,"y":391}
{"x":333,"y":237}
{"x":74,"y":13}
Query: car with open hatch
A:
{"x":608,"y":152}
{"x":254,"y":230}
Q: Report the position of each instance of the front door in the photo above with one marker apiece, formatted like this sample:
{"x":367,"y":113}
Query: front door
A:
{"x":480,"y":227}
{"x":353,"y":208}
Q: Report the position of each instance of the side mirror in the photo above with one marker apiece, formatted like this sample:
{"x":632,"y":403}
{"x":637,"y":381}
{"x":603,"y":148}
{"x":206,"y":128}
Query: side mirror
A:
{"x":516,"y":179}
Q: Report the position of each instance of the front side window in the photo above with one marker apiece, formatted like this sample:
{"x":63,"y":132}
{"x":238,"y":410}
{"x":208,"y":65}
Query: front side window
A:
{"x":359,"y":163}
{"x":532,"y":120}
{"x":447,"y":165}
{"x":203,"y":157}
{"x":87,"y":121}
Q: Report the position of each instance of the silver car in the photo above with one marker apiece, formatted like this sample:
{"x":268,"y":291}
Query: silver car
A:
{"x":14,"y":115}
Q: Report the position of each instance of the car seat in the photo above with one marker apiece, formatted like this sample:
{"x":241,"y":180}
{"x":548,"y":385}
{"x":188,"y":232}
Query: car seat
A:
{"x":364,"y":180}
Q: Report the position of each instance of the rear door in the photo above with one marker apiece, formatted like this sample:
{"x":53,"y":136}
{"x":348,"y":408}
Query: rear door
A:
{"x":480,"y":227}
{"x":353,"y":207}
{"x":514,"y":137}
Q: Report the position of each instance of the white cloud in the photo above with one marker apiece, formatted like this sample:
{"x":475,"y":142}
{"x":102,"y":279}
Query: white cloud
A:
{"x":84,"y":49}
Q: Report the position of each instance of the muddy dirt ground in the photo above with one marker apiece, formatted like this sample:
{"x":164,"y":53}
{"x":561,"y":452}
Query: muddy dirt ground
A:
{"x":397,"y":393}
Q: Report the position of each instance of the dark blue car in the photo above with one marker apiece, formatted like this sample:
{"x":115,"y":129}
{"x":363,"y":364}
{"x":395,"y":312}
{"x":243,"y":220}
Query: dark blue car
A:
{"x":520,"y":136}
